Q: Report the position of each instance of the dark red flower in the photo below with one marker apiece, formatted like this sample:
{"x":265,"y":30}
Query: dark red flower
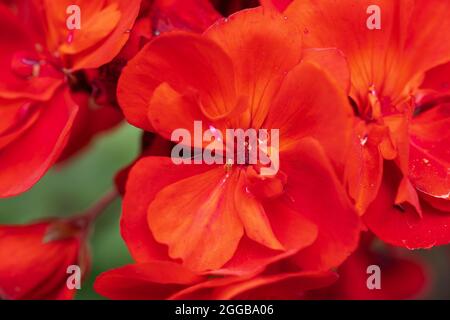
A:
{"x":401,"y":276}
{"x":168,"y":280}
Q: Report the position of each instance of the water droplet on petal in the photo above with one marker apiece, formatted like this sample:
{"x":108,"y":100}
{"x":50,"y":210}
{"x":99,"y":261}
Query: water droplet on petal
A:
{"x":363,"y":140}
{"x":70,"y":37}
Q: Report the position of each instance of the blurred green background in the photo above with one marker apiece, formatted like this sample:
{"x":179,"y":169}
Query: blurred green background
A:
{"x":76,"y":185}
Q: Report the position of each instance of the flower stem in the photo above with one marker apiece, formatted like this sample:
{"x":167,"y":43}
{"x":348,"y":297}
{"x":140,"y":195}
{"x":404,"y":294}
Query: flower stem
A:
{"x":100,"y":206}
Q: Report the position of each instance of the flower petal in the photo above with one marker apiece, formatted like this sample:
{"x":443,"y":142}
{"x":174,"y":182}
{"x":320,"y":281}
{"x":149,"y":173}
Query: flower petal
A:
{"x":111,"y":45}
{"x":309,"y":96}
{"x":391,"y":58}
{"x":24,"y":162}
{"x":429,"y":154}
{"x":315,"y":192}
{"x":188,"y":63}
{"x":364,"y":167}
{"x":145,"y":180}
{"x":18,"y":52}
{"x":22,"y":249}
{"x":197,"y":218}
{"x":263,"y":46}
{"x":251,"y":212}
{"x":401,"y":226}
{"x":191,"y":15}
{"x":150,"y":281}
{"x":283,"y":286}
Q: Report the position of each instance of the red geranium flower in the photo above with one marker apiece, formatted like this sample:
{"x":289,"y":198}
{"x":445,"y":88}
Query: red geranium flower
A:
{"x":247,"y":71}
{"x":387,"y":67}
{"x":39,"y":61}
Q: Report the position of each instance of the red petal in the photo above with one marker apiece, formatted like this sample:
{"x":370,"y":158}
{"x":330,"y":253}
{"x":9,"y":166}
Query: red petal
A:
{"x":309,"y":97}
{"x":144,"y":182}
{"x":18,"y":51}
{"x":169,"y":111}
{"x":332,"y":61}
{"x":293,"y":230}
{"x":429,"y":160}
{"x":22,"y":248}
{"x":437,"y":79}
{"x":263,"y":47}
{"x":111,"y":45}
{"x":364,"y":168}
{"x":24,"y":162}
{"x":275,"y":287}
{"x":191,"y":15}
{"x":91,"y":120}
{"x":408,"y":43}
{"x":313,"y":189}
{"x":188,"y":63}
{"x":280,"y":5}
{"x":153,"y":280}
{"x":253,"y":216}
{"x":403,"y":227}
{"x":402,"y":277}
{"x":197,"y":218}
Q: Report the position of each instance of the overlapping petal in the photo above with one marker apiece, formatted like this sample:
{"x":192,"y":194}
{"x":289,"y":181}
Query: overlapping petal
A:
{"x":24,"y":162}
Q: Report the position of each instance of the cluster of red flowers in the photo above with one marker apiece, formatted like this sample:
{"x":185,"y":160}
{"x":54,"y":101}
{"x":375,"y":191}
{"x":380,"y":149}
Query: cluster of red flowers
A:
{"x":363,"y":116}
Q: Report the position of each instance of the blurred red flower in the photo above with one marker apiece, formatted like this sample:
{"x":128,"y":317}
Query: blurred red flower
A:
{"x":169,"y":280}
{"x":34,"y":259}
{"x":41,"y":60}
{"x":402,"y":277}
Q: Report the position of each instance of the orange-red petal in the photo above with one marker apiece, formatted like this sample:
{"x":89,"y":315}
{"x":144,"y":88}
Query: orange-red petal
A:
{"x":263,"y":46}
{"x":197,"y":218}
{"x":316,"y":193}
{"x":309,"y":96}
{"x":144,"y":181}
{"x":189,"y":63}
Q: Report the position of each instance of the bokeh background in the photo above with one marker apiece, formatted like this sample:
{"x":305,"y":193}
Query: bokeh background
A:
{"x":74,"y":186}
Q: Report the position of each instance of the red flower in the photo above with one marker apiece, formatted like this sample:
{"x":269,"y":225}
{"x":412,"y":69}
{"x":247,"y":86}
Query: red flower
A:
{"x":39,"y":59}
{"x":401,"y":277}
{"x":247,"y":71}
{"x":34,"y":259}
{"x":387,"y":66}
{"x":168,"y":280}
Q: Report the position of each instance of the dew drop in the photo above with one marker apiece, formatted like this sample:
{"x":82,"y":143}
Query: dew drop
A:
{"x":70,"y":37}
{"x":363,"y":140}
